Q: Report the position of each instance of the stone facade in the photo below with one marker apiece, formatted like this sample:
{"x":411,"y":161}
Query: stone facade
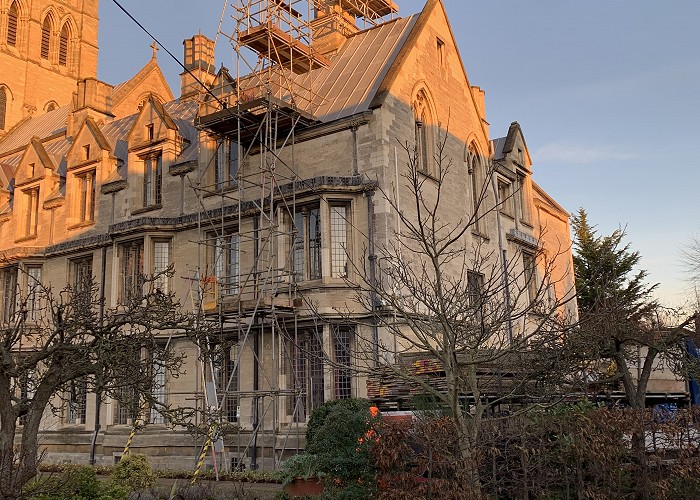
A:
{"x":45,"y":48}
{"x":124,"y":181}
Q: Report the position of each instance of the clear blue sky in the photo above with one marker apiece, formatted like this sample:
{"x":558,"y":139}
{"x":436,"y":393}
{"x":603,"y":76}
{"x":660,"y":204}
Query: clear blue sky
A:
{"x":607,"y":94}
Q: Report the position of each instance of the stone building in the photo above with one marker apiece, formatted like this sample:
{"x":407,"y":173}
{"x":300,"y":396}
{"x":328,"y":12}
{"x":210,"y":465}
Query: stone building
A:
{"x":267,"y":195}
{"x":45,"y":47}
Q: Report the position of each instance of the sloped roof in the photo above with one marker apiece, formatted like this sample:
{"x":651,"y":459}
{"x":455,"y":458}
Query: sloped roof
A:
{"x":7,"y":173}
{"x":545,"y":199}
{"x":349,"y":84}
{"x":44,"y":125}
{"x":114,"y":132}
{"x":498,"y":145}
{"x":43,"y":155}
{"x":356,"y":72}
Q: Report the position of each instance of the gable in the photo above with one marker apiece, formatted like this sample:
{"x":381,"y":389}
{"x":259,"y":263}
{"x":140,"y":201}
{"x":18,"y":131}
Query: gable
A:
{"x":513,"y":144}
{"x":150,"y":80}
{"x":430,"y":55}
{"x":35,"y":164}
{"x":88,"y":144}
{"x":152,"y":124}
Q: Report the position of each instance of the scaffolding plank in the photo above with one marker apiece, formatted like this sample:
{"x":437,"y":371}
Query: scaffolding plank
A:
{"x":284,"y":6}
{"x":250,"y":114}
{"x":371,"y":9}
{"x":270,"y":41}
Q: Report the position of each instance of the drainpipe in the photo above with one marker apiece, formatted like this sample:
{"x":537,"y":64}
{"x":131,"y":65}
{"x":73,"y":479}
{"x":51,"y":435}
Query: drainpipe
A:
{"x":256,"y":361}
{"x":98,"y":394}
{"x":373,"y":277}
{"x":355,"y":166}
{"x":256,"y":387}
{"x":502,"y":251}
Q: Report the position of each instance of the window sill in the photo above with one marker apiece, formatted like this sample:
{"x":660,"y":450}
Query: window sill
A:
{"x":82,"y":164}
{"x":428,"y":175}
{"x":220,"y":191}
{"x":80,"y":225}
{"x":481,"y":235}
{"x":307,"y":284}
{"x":149,"y":208}
{"x":26,"y":238}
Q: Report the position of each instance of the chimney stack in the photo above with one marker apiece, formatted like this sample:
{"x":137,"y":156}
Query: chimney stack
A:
{"x":199,"y":63}
{"x":93,"y":98}
{"x":331,"y":28}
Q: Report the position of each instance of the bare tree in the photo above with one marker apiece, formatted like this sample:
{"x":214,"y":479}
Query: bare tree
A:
{"x":55,"y":341}
{"x":487,"y":321}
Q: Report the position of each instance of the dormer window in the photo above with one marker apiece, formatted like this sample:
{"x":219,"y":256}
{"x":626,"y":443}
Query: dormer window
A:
{"x":86,"y":152}
{"x":152,"y":180}
{"x":505,"y":197}
{"x":150,"y":132}
{"x":31,"y":170}
{"x":31,"y":216}
{"x":87,"y":196}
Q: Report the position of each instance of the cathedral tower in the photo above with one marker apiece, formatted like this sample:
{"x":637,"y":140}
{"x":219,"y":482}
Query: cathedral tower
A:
{"x":46,"y":46}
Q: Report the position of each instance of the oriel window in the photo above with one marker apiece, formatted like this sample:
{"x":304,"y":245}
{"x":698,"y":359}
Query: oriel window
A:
{"x":307,"y":244}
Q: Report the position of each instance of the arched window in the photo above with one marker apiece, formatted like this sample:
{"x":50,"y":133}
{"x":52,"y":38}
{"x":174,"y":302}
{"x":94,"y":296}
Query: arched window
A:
{"x":12,"y":21}
{"x":422,"y":130}
{"x":46,"y":29}
{"x":3,"y":107}
{"x":421,"y":137}
{"x":63,"y":45}
{"x":477,"y":185}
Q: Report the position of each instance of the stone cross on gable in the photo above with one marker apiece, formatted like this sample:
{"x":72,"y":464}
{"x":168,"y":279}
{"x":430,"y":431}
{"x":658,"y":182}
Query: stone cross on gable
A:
{"x":154,"y":46}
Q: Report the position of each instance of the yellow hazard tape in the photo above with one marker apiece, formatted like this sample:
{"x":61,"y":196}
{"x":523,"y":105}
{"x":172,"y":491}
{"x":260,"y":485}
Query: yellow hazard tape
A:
{"x":128,"y":441}
{"x":202,"y":455}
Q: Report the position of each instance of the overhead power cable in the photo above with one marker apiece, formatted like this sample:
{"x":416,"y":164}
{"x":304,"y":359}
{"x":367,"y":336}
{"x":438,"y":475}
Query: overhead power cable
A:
{"x":208,"y":91}
{"x":220,"y":102}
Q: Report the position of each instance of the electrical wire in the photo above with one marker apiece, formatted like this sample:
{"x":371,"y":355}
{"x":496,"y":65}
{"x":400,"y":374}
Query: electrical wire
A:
{"x":223,"y":105}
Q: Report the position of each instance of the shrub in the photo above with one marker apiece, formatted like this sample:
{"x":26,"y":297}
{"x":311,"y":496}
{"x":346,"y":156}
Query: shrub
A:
{"x":73,"y":483}
{"x":303,"y":465}
{"x":356,"y":406}
{"x":339,"y":435}
{"x":134,"y":472}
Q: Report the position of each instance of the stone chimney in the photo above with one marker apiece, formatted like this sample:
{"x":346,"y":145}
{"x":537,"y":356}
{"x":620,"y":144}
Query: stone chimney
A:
{"x":331,"y":28}
{"x":93,"y":98}
{"x":199,"y":62}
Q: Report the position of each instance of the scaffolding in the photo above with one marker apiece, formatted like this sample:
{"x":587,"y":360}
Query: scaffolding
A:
{"x":246,"y":275}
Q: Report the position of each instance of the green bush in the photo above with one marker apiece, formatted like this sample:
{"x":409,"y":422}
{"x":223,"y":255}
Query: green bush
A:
{"x":303,"y":465}
{"x":318,"y":417}
{"x":73,"y":483}
{"x":134,"y":472}
{"x":338,"y":449}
